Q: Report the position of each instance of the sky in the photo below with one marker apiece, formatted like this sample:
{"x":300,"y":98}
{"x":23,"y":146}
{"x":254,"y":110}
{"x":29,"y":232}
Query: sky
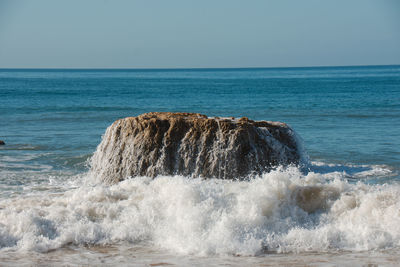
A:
{"x":198,"y":34}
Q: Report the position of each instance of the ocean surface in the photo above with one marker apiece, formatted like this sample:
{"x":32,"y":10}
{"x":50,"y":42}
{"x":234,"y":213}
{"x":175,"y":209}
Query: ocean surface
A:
{"x":54,"y":212}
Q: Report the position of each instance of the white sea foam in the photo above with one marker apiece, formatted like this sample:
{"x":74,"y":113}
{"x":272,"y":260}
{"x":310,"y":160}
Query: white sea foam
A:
{"x":282,"y":211}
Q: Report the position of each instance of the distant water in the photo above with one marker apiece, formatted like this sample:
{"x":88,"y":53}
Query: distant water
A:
{"x":52,"y":211}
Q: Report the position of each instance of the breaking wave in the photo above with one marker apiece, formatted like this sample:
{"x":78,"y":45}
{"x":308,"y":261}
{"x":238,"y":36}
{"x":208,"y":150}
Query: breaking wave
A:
{"x":285,"y":210}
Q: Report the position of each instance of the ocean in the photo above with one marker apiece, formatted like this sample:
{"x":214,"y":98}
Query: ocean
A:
{"x":54,"y":212}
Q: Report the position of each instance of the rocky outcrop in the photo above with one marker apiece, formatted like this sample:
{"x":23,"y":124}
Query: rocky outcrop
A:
{"x":190,"y":144}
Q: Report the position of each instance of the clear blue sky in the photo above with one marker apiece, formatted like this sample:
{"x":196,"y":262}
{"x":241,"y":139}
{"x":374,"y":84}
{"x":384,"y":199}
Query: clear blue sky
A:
{"x":201,"y":33}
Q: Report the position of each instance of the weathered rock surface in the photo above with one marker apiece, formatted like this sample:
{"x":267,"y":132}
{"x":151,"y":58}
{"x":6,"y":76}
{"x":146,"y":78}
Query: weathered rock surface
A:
{"x":190,"y":144}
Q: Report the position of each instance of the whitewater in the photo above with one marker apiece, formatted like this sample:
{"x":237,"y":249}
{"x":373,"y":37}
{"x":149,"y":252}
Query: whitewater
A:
{"x":279,"y":212}
{"x":340,"y":208}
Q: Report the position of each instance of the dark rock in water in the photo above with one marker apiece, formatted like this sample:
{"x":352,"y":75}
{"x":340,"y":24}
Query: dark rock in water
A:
{"x":2,"y":143}
{"x":190,"y":144}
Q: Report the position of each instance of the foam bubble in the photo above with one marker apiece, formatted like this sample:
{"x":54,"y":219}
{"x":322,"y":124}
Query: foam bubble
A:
{"x":282,"y":211}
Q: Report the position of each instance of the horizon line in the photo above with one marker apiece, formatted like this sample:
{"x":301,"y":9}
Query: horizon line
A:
{"x":199,"y":68}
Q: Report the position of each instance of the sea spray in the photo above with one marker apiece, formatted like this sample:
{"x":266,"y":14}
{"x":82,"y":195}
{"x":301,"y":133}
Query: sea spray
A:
{"x":281,"y":211}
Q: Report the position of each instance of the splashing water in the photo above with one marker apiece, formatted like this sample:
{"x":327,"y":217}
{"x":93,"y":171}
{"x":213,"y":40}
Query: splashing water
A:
{"x":282,"y":211}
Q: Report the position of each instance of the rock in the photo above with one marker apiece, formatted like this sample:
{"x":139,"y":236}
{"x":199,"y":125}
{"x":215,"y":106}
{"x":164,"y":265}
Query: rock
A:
{"x":2,"y":143}
{"x":190,"y":144}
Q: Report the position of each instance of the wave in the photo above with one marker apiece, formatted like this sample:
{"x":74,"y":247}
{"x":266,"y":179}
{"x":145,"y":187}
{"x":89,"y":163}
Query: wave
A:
{"x":352,"y":171}
{"x":23,"y":147}
{"x":285,"y":210}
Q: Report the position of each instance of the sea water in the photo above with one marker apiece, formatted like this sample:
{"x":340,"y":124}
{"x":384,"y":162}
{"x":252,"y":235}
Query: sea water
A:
{"x":342,"y":208}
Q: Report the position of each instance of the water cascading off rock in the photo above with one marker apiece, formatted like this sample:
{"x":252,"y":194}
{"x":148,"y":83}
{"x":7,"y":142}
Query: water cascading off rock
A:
{"x":191,"y":144}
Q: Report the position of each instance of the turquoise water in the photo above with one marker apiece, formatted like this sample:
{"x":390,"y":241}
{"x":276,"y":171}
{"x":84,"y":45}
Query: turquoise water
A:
{"x":53,"y":120}
{"x":345,"y":115}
